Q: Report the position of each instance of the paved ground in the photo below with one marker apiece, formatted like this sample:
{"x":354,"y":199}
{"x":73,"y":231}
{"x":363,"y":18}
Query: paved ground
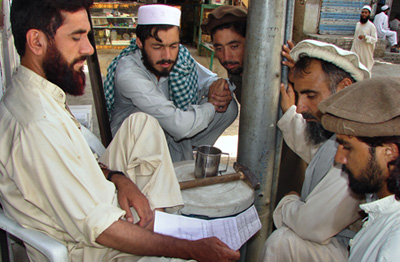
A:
{"x":382,"y":68}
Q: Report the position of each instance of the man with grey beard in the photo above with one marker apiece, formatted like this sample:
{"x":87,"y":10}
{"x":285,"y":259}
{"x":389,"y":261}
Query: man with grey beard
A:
{"x":313,"y":226}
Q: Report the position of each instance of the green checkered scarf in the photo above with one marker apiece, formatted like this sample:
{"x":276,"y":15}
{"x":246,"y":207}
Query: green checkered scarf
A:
{"x":182,"y":79}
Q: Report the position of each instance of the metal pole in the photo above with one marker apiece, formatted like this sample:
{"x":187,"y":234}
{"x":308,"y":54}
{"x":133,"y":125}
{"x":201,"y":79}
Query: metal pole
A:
{"x":284,"y":79}
{"x":260,"y":101}
{"x":288,"y":34}
{"x":278,"y":146}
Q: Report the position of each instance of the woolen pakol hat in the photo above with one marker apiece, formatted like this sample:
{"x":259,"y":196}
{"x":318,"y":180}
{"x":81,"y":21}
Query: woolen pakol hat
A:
{"x":344,"y":59}
{"x":370,"y":108}
{"x":224,"y":15}
{"x":159,"y":15}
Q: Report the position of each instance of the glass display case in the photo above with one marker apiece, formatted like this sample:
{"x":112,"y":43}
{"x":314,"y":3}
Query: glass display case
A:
{"x":114,"y":23}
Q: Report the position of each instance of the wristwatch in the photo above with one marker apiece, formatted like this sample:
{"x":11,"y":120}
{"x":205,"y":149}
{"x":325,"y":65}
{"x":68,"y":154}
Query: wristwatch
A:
{"x":112,"y":173}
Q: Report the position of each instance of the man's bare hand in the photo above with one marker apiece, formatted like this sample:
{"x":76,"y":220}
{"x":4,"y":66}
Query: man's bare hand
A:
{"x":130,"y":238}
{"x":286,"y":54}
{"x":293,"y":193}
{"x":287,"y":97}
{"x":213,"y":250}
{"x":220,"y":95}
{"x":129,"y":195}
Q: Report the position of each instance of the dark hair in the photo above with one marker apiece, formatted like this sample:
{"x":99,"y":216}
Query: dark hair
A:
{"x":144,"y":32}
{"x":43,"y":15}
{"x":238,"y":27}
{"x":333,"y":74}
{"x":393,"y":181}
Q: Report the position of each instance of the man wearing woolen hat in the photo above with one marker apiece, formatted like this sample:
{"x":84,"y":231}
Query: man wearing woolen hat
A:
{"x":365,"y":38}
{"x":158,"y":76}
{"x":227,"y":28}
{"x":368,"y":133}
{"x":315,"y":225}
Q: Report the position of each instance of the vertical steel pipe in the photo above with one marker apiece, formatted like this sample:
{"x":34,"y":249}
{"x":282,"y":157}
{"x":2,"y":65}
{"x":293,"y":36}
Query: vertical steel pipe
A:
{"x":260,"y":102}
{"x":284,"y":79}
{"x":288,"y":34}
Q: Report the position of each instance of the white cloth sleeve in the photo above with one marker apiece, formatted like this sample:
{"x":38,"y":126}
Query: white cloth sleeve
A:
{"x":293,"y":127}
{"x":373,"y":38}
{"x":329,"y":209}
{"x":147,"y":97}
{"x":61,"y":187}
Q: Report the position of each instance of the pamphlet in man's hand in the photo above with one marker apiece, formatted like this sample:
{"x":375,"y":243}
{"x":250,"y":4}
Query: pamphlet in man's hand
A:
{"x":233,"y":231}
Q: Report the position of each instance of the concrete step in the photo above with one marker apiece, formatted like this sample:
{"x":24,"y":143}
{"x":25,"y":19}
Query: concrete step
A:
{"x":392,"y":57}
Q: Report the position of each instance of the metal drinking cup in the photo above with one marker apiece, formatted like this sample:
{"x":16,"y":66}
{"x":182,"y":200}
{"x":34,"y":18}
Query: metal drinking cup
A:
{"x":207,"y":161}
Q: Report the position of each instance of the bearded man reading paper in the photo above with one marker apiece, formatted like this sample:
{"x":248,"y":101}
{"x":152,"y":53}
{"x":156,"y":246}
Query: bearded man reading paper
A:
{"x":50,"y":180}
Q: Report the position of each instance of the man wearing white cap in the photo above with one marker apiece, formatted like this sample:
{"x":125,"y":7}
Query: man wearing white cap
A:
{"x":158,"y":76}
{"x":314,"y":226}
{"x":381,"y":22}
{"x":365,"y":38}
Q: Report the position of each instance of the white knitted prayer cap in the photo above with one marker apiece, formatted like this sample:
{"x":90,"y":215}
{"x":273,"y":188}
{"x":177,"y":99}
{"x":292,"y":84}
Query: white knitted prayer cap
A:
{"x":367,"y":7}
{"x":344,"y":59}
{"x":159,"y":15}
{"x":385,"y":7}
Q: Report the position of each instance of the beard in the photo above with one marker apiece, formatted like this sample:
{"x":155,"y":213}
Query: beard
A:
{"x":236,"y":71}
{"x":62,"y":74}
{"x":164,"y":73}
{"x":316,"y":134}
{"x":364,"y":20}
{"x":371,"y":180}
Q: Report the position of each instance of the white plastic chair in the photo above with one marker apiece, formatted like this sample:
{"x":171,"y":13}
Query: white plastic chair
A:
{"x":94,"y":143}
{"x":49,"y":247}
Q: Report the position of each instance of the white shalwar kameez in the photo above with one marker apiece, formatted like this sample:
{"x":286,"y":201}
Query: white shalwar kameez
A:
{"x":379,"y":239}
{"x":365,"y":48}
{"x":314,"y":228}
{"x":382,"y":28}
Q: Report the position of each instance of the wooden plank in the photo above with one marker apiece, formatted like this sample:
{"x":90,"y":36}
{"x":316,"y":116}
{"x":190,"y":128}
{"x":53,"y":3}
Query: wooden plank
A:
{"x":98,"y":93}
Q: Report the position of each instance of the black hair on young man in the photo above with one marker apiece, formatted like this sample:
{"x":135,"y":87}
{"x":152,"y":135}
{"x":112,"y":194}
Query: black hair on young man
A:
{"x":43,"y":15}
